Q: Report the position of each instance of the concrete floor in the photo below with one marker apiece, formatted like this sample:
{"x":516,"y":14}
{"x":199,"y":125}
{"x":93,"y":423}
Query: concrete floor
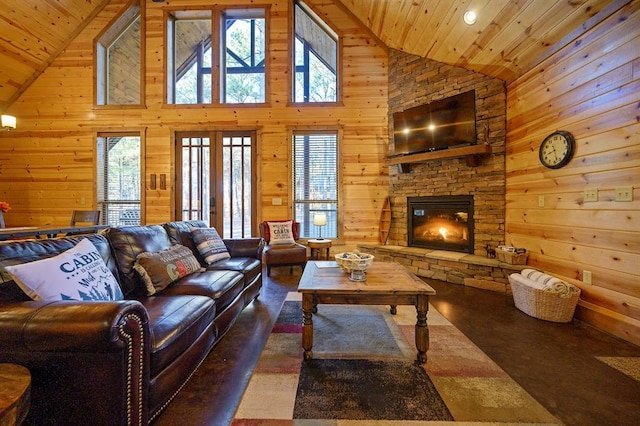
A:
{"x":555,"y":363}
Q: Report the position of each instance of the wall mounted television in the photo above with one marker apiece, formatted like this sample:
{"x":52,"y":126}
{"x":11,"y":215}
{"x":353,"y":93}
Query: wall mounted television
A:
{"x":442,"y":124}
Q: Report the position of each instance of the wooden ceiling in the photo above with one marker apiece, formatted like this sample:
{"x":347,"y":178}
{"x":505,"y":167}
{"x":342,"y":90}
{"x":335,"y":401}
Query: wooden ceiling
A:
{"x":508,"y":38}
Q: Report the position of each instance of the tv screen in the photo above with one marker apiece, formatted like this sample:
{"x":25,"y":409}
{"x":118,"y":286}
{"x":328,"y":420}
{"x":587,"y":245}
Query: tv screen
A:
{"x":441,"y":124}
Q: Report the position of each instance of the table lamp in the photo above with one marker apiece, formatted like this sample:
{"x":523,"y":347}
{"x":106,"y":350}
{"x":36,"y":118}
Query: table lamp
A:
{"x":320,"y":220}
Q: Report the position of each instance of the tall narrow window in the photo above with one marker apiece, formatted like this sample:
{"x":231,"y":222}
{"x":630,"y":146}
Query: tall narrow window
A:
{"x":119,"y":171}
{"x":244,"y":56}
{"x":315,"y":58}
{"x":190,"y":58}
{"x":315,"y":181}
{"x":119,"y":60}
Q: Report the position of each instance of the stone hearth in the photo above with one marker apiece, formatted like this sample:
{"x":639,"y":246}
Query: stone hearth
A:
{"x":458,"y":268}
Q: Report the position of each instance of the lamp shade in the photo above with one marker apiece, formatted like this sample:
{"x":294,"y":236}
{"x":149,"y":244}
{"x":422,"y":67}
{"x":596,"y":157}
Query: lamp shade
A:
{"x":319,"y":219}
{"x":8,"y":121}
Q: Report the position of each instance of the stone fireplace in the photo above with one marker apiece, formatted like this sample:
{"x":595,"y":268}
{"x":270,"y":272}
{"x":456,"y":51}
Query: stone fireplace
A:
{"x":414,"y":81}
{"x":441,"y":223}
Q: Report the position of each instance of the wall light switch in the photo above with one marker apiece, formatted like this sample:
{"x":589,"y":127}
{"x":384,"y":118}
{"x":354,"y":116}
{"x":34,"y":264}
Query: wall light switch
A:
{"x":540,"y":200}
{"x":624,"y":193}
{"x":276,"y":201}
{"x":586,"y":277}
{"x":590,"y":195}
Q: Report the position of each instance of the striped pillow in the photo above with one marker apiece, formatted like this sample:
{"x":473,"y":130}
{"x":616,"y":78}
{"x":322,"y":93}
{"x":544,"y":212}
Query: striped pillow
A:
{"x":209,"y":244}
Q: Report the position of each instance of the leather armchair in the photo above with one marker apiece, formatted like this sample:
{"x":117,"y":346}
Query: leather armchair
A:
{"x":283,"y":254}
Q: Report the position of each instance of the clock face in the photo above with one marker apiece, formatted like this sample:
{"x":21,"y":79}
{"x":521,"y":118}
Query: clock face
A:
{"x":557,"y":149}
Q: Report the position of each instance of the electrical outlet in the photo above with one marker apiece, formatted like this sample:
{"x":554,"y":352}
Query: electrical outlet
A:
{"x":540,"y":200}
{"x":82,"y":200}
{"x":586,"y":277}
{"x":276,"y":201}
{"x":590,"y":195}
{"x":624,"y":193}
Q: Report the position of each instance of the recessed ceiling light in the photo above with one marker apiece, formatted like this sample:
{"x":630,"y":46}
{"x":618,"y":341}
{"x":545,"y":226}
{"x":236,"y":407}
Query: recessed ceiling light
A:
{"x":470,"y":17}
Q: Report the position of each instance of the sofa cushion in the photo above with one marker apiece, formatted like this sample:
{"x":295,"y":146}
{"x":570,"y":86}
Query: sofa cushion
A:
{"x":247,"y":266}
{"x":221,"y":286}
{"x":163,"y":267}
{"x":76,"y":274}
{"x":209,"y":245}
{"x":176,"y":322}
{"x":281,"y":232}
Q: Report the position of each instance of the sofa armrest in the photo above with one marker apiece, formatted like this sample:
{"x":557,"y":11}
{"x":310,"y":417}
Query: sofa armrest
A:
{"x":70,"y":347}
{"x":68,"y":326}
{"x":245,"y":247}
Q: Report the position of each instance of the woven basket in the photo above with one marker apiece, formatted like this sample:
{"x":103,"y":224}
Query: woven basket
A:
{"x":542,"y":304}
{"x":512,"y":258}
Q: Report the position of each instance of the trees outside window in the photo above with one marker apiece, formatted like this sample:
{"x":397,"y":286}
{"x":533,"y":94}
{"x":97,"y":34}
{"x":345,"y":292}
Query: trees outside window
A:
{"x":315,"y":58}
{"x":118,"y":178}
{"x":191,"y":57}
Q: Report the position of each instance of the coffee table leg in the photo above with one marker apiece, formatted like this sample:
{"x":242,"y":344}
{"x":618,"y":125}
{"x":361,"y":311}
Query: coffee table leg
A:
{"x":393,"y":309}
{"x":307,"y":325}
{"x":422,"y":331}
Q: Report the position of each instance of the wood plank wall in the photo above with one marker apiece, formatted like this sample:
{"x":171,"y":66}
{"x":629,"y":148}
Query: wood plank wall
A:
{"x":47,"y":164}
{"x":591,"y":88}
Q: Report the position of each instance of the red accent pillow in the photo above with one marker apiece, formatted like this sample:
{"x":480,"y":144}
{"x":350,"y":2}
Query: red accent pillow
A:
{"x":265,"y":229}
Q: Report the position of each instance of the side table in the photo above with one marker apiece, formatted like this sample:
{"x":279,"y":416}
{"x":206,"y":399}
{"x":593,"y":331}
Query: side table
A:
{"x":319,"y":249}
{"x":15,"y":394}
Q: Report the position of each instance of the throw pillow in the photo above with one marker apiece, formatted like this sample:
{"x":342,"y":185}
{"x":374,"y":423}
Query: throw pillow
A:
{"x":266,"y":234}
{"x":76,"y":274}
{"x":281,"y":232}
{"x":209,"y":245}
{"x":164,"y":267}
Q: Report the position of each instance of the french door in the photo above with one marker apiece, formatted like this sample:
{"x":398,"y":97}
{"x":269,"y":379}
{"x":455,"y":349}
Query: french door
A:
{"x":216,"y":178}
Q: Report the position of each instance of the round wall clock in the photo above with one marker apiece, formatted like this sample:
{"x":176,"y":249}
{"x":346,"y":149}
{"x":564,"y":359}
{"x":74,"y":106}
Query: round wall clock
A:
{"x":557,"y":149}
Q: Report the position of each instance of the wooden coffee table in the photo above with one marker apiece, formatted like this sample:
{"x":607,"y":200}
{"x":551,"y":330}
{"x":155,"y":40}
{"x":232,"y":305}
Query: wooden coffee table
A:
{"x":387,"y":283}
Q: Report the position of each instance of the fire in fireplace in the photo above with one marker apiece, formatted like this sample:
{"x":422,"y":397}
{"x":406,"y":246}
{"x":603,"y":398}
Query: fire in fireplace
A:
{"x":441,"y":223}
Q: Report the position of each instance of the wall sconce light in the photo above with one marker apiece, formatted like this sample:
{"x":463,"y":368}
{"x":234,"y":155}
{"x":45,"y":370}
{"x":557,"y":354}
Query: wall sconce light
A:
{"x":470,"y":17}
{"x":8,"y":122}
{"x":320,"y":220}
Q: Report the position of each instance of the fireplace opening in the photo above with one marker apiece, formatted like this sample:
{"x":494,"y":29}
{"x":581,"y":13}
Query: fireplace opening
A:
{"x":441,"y":223}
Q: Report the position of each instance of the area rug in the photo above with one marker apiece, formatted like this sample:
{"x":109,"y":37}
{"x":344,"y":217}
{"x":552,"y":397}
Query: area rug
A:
{"x":362,"y":389}
{"x":363,"y":372}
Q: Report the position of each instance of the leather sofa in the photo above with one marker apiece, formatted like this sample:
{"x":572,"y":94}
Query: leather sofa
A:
{"x":121,"y":362}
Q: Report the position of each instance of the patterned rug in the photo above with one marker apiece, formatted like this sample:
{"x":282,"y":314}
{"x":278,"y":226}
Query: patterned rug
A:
{"x":364,"y":372}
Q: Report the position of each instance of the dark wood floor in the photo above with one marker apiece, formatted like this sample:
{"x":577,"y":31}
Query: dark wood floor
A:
{"x":555,"y":363}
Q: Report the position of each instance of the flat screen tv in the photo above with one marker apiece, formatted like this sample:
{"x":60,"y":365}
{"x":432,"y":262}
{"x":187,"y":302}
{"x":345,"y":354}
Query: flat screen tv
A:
{"x":442,"y":124}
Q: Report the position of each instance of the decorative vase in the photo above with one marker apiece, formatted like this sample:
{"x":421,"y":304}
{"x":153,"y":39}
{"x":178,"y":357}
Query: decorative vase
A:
{"x":1,"y":220}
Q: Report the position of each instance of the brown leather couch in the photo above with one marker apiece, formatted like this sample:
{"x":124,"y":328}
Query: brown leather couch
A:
{"x":121,"y":362}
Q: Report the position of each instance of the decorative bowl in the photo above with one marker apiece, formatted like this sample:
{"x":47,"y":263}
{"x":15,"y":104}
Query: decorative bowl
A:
{"x":354,"y":263}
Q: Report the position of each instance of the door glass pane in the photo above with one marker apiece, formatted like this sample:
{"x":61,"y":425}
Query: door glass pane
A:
{"x":236,"y":184}
{"x":196,"y":188}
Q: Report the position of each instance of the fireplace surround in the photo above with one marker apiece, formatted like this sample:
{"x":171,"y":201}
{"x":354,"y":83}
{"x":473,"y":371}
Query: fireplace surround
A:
{"x":441,"y":223}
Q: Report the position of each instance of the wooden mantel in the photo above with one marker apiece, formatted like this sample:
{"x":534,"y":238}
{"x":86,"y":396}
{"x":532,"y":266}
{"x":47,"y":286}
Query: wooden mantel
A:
{"x":471,"y":152}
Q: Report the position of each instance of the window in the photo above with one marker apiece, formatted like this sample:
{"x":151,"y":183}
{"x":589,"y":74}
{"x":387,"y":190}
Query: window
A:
{"x":244,"y":38}
{"x":315,"y":181}
{"x":192,"y":56}
{"x":119,"y":61}
{"x":119,"y":170}
{"x":315,"y":58}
